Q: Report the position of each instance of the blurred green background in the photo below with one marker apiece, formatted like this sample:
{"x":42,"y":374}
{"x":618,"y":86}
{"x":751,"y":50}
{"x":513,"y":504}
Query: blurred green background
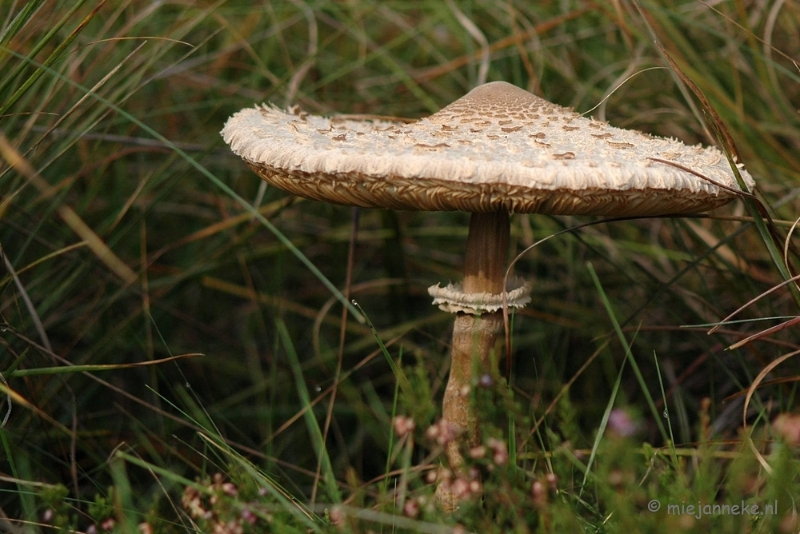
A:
{"x":127,"y":240}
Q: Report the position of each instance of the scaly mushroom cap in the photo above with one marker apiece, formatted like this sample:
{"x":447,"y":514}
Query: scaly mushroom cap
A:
{"x":498,"y":147}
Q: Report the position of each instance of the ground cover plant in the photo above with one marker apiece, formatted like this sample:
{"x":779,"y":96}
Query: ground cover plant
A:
{"x":176,"y":354}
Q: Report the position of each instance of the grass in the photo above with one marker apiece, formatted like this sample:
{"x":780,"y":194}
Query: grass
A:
{"x":175,"y":356}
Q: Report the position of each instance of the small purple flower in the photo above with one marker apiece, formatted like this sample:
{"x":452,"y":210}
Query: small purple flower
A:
{"x":249,"y":516}
{"x":622,"y":424}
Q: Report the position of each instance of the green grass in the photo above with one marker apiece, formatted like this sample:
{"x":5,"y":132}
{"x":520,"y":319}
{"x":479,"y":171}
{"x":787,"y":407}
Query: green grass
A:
{"x":173,"y":346}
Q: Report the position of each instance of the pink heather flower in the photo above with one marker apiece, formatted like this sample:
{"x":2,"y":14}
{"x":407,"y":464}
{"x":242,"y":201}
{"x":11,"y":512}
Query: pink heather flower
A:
{"x":230,"y":489}
{"x":231,"y":527}
{"x":249,"y":516}
{"x":460,"y":488}
{"x":336,"y":516}
{"x":499,"y":450}
{"x":443,"y":432}
{"x":622,"y":424}
{"x":474,"y":473}
{"x":477,"y":452}
{"x":429,"y":505}
{"x":787,"y":426}
{"x":475,"y":486}
{"x":411,"y":509}
{"x":433,"y":432}
{"x":539,"y":493}
{"x":403,"y":425}
{"x":431,"y":477}
{"x":444,"y":475}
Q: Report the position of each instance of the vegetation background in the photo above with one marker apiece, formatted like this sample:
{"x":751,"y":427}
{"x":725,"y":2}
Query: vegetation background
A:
{"x":169,"y":364}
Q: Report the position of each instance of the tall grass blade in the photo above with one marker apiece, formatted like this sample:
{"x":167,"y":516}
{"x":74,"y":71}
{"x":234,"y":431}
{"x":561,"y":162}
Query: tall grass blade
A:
{"x":314,"y":430}
{"x":628,"y":353}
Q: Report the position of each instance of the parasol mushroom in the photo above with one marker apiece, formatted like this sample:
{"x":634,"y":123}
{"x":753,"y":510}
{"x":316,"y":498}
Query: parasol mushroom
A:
{"x":497,"y":150}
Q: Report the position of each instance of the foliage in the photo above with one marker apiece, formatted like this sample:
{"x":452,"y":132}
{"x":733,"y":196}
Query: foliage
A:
{"x":174,"y":352}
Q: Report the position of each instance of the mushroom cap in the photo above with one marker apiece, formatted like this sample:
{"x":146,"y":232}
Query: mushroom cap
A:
{"x":498,"y":147}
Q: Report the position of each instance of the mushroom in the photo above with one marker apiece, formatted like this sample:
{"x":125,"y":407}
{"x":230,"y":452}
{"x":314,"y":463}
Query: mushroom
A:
{"x":497,"y":150}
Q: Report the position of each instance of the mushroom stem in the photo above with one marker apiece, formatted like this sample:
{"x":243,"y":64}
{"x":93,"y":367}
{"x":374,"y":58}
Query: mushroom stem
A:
{"x":487,"y":250}
{"x":475,"y":337}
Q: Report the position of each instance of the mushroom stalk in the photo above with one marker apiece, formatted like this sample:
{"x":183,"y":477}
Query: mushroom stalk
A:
{"x":475,"y":336}
{"x":487,"y":250}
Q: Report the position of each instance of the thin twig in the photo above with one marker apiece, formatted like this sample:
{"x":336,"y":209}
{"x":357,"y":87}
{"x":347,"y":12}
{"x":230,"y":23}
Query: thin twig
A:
{"x":37,"y":322}
{"x":356,"y":213}
{"x":477,"y":34}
